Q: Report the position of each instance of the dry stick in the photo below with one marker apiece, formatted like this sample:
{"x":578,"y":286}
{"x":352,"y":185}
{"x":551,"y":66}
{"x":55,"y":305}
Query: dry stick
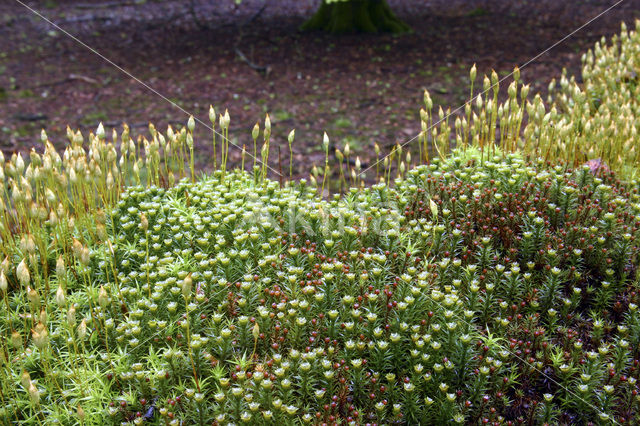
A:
{"x":280,"y":166}
{"x":467,"y":134}
{"x":70,"y":78}
{"x":264,"y":70}
{"x":420,"y":156}
{"x":523,"y":109}
{"x":342,"y":179}
{"x":254,"y":135}
{"x":215,"y":159}
{"x":105,"y":5}
{"x":326,"y":163}
{"x":265,"y":155}
{"x":494,"y":115}
{"x":223,"y":151}
{"x":510,"y":74}
{"x":377,"y":150}
{"x":290,"y":156}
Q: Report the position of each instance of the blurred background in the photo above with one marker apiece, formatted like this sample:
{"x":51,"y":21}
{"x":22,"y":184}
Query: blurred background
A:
{"x":252,"y":58}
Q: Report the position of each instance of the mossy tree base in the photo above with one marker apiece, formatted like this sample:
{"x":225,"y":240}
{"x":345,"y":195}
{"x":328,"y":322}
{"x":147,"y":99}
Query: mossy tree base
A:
{"x":368,"y":16}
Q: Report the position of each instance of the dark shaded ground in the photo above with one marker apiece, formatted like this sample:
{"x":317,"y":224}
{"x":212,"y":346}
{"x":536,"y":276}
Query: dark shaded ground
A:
{"x":358,"y":88}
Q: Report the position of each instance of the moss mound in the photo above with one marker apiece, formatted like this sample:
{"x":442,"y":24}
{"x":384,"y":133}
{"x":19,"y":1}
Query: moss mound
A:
{"x":502,"y":292}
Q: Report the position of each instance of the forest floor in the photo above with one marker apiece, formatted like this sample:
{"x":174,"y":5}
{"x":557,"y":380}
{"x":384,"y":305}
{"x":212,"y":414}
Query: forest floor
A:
{"x":358,"y":88}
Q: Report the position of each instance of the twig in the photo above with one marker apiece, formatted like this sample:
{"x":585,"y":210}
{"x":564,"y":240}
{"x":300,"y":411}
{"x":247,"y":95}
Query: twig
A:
{"x":265,"y":70}
{"x":83,"y":78}
{"x":255,"y":15}
{"x":105,"y":5}
{"x":31,"y":117}
{"x":280,"y":166}
{"x":70,"y":77}
{"x":261,"y":69}
{"x":92,"y":18}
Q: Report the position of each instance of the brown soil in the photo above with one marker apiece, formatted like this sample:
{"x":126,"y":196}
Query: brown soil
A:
{"x":358,"y":88}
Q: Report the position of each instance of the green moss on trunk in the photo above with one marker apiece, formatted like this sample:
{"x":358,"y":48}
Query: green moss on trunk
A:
{"x":368,"y":16}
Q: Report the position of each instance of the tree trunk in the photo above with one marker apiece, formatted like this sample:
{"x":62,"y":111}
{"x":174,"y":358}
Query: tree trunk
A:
{"x":368,"y":16}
